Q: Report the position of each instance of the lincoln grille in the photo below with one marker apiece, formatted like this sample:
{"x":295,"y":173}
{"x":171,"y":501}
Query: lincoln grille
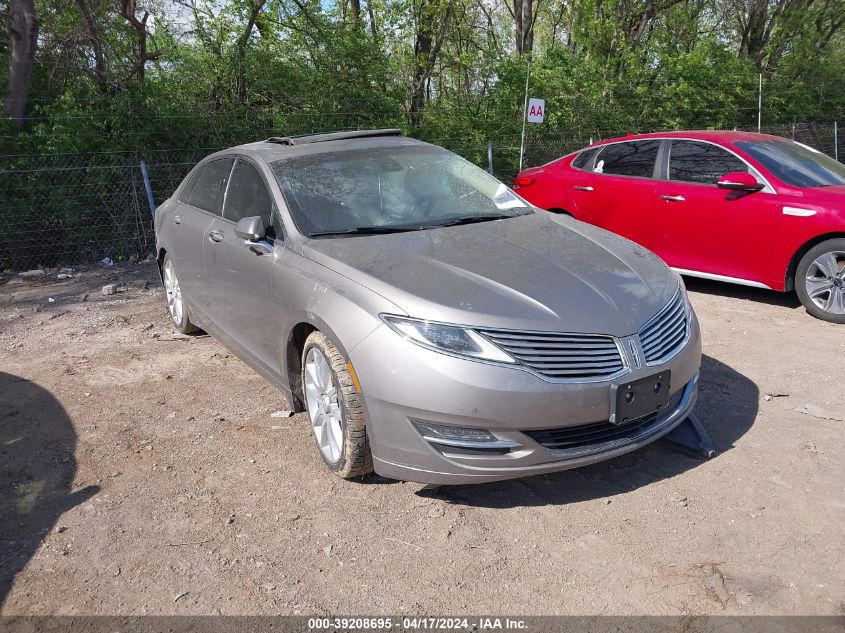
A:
{"x":561,"y":356}
{"x":666,"y":332}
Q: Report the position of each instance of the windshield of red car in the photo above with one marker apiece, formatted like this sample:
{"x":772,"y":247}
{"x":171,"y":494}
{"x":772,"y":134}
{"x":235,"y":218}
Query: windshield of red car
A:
{"x":795,"y":164}
{"x":411,"y":187}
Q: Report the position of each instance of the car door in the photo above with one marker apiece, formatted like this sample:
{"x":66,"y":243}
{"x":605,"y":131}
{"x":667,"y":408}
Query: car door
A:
{"x":240,"y":277}
{"x":705,"y":229}
{"x":617,"y":192}
{"x":199,"y":204}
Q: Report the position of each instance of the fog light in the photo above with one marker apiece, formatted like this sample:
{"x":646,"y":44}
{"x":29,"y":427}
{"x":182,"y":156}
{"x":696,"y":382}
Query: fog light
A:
{"x":460,"y":436}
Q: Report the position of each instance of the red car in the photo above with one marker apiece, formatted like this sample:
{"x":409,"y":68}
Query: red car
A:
{"x":740,"y":207}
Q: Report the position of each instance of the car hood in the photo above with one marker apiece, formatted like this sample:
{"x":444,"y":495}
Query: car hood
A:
{"x":534,"y":272}
{"x":832,"y":193}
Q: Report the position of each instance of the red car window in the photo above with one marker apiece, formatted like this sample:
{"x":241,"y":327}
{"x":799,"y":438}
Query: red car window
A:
{"x":703,"y":163}
{"x":633,"y":158}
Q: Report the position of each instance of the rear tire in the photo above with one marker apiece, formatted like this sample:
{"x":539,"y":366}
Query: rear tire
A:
{"x":177,"y":305}
{"x":820,"y":281}
{"x":334,"y":409}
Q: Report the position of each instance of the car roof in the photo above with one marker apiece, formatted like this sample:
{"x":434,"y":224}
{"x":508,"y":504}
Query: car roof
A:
{"x":277,"y":148}
{"x":723,"y":136}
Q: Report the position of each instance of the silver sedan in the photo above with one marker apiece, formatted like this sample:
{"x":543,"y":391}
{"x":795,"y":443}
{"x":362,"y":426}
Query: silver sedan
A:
{"x":432,"y":324}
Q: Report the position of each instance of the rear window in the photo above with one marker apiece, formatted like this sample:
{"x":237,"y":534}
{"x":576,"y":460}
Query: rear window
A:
{"x":632,"y":158}
{"x":584,"y":160}
{"x":210,"y":186}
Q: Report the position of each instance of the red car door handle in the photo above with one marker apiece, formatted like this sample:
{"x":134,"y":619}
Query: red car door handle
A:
{"x":582,"y":188}
{"x":673,"y":198}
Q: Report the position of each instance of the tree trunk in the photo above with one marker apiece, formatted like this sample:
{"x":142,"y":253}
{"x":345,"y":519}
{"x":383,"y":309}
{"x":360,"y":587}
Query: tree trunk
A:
{"x":142,"y":55}
{"x":93,"y":34}
{"x":428,"y":40}
{"x":240,"y":51}
{"x":23,"y":34}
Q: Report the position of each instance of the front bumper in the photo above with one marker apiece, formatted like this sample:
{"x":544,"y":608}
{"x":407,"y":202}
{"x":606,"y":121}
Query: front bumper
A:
{"x":402,"y":382}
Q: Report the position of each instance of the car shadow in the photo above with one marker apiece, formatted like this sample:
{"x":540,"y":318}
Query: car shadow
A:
{"x":37,"y":466}
{"x":735,"y":291}
{"x":727,"y":407}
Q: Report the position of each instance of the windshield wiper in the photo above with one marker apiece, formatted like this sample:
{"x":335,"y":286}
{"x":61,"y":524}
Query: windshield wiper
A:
{"x":367,"y":230}
{"x":472,"y":219}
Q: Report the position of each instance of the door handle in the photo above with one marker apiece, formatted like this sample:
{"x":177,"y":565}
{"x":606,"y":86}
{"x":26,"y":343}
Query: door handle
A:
{"x":673,"y":198}
{"x":582,"y":188}
{"x":215,"y":236}
{"x":177,"y":219}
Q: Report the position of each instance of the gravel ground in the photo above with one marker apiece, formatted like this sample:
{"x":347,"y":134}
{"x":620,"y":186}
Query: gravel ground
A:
{"x":142,"y":473}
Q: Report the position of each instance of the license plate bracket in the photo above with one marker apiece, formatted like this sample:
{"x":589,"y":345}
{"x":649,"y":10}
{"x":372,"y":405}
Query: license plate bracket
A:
{"x":642,"y":397}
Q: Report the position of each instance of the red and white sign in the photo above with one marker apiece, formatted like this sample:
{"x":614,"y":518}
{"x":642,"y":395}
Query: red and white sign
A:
{"x":536,"y":110}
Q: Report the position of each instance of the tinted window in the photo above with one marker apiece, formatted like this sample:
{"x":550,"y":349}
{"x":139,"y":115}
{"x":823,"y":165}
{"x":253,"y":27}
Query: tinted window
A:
{"x":186,"y":191}
{"x":796,"y":164}
{"x":209,"y":188}
{"x":691,"y":161}
{"x":248,"y":195}
{"x":635,"y":158}
{"x":584,"y":160}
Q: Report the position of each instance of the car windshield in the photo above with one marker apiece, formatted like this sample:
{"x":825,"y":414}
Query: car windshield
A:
{"x":796,"y":164}
{"x":390,"y":189}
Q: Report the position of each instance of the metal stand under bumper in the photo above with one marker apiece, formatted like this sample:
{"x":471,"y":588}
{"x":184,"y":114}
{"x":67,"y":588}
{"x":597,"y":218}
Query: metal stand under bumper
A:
{"x":690,"y":437}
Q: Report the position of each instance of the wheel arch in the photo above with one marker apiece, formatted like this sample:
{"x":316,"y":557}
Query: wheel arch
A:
{"x":560,"y":211}
{"x":789,"y":278}
{"x":160,"y":261}
{"x":294,"y":346}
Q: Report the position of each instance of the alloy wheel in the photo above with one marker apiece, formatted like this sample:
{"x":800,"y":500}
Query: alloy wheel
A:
{"x":321,"y":396}
{"x":174,"y":293}
{"x":825,"y":282}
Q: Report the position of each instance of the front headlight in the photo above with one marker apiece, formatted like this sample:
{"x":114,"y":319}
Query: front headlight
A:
{"x":449,"y":339}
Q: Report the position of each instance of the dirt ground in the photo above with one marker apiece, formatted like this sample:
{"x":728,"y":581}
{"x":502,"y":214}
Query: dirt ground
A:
{"x":142,"y":473}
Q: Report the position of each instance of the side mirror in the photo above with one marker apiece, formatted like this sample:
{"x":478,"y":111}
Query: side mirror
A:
{"x":250,"y":229}
{"x":739,"y":181}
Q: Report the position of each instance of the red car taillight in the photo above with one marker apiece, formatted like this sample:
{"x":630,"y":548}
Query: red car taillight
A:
{"x":522,"y":181}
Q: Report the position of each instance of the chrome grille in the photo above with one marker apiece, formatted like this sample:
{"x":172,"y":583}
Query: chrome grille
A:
{"x":562,"y":356}
{"x":666,"y":332}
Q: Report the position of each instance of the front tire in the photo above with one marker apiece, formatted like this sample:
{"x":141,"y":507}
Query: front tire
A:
{"x":177,"y":306}
{"x":334,"y":409}
{"x":820,"y":281}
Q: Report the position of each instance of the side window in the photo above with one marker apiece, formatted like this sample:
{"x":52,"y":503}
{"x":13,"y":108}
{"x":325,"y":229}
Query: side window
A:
{"x":703,"y":163}
{"x":208,"y":190}
{"x":185,"y":196}
{"x":634,"y":158}
{"x":248,"y":195}
{"x":584,"y":160}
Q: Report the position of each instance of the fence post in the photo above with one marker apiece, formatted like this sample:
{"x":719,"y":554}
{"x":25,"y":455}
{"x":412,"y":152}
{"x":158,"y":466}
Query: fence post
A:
{"x":149,"y":189}
{"x":835,"y":141}
{"x":490,"y":157}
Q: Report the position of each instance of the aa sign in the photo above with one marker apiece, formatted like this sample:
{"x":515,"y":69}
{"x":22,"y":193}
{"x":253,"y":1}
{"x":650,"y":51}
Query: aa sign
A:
{"x":536,"y":110}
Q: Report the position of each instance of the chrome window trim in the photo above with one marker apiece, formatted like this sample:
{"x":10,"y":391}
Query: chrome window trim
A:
{"x":757,"y":173}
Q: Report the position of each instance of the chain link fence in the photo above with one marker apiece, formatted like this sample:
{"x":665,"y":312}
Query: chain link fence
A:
{"x":65,"y":209}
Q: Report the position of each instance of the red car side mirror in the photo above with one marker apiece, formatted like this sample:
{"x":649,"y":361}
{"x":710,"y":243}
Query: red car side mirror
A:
{"x":739,"y":181}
